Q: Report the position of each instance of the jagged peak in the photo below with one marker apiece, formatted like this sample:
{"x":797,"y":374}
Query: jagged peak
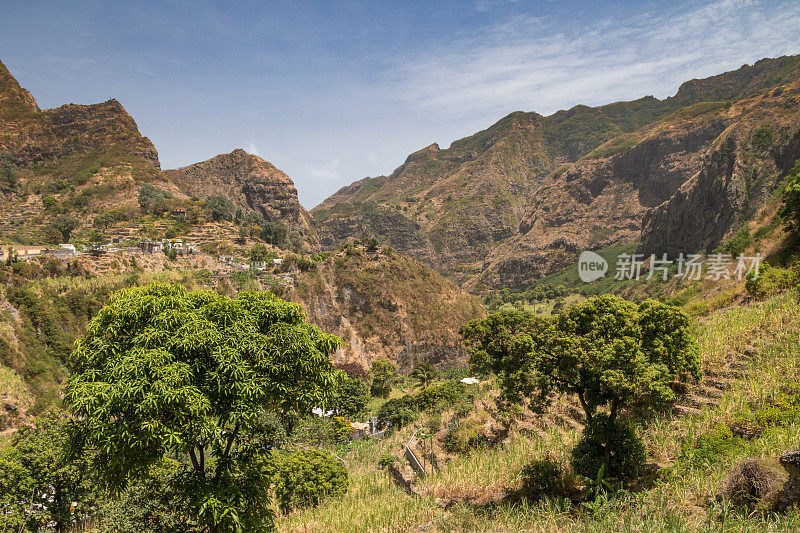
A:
{"x":12,"y":93}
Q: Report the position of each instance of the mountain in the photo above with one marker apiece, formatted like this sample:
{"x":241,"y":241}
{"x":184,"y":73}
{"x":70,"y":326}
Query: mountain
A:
{"x":516,"y":200}
{"x":385,"y":305}
{"x":249,"y":182}
{"x":72,"y":133}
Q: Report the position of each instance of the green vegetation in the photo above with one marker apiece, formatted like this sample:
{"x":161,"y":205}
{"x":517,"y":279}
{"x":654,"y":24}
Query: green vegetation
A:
{"x":608,"y":352}
{"x":383,"y":374}
{"x":614,"y":146}
{"x":199,"y":368}
{"x":307,"y":478}
{"x":40,"y":477}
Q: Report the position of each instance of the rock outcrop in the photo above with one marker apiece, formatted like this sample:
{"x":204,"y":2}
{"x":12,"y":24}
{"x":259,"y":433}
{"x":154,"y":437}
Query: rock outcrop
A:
{"x":104,"y":132}
{"x":791,"y":490}
{"x":386,"y":306}
{"x":742,"y":169}
{"x":248,"y":181}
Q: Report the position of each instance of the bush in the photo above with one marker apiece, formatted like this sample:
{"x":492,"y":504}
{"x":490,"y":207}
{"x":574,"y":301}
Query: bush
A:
{"x":543,"y":478}
{"x":307,"y":478}
{"x":710,"y":447}
{"x":446,"y":393}
{"x":755,"y":485}
{"x":626,"y":452}
{"x":387,"y":461}
{"x":770,"y":280}
{"x":397,"y":412}
{"x":464,"y":435}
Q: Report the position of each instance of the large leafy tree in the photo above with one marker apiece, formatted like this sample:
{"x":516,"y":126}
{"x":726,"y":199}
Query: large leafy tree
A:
{"x":609,"y":352}
{"x":164,"y":372}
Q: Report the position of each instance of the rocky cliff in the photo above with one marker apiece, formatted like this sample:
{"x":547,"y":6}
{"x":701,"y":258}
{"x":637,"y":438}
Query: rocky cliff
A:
{"x":49,"y":137}
{"x":386,"y":306}
{"x":742,"y":168}
{"x":515,"y":201}
{"x":250,"y":182}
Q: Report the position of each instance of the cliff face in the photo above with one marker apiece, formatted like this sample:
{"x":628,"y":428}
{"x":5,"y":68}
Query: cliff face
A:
{"x":447,"y":208}
{"x":737,"y":175}
{"x":516,"y":201}
{"x":48,"y":137}
{"x":386,"y":306}
{"x":249,"y":181}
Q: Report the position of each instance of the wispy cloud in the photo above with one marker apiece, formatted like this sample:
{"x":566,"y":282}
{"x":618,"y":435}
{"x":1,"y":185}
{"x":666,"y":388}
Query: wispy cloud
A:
{"x":536,"y":64}
{"x":327,"y":170}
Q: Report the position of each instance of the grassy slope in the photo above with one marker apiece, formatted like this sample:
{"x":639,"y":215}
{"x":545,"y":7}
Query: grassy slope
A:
{"x":682,"y":501}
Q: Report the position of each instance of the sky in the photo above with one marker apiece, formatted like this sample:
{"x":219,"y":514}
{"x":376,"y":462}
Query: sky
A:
{"x":331,"y":92}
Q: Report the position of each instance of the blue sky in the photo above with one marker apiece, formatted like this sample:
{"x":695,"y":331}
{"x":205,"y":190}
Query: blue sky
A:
{"x":331,"y":91}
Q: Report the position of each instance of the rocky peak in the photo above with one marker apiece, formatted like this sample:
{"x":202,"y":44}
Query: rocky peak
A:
{"x":13,"y":98}
{"x":249,"y":181}
{"x":104,"y":132}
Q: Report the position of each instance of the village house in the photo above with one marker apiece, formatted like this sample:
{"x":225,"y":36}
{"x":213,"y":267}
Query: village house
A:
{"x":22,"y":251}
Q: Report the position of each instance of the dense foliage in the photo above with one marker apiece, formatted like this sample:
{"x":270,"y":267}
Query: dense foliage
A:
{"x":350,"y":397}
{"x":791,"y":200}
{"x":40,"y":477}
{"x":307,"y":478}
{"x":164,"y":372}
{"x":609,"y":352}
{"x":383,"y":373}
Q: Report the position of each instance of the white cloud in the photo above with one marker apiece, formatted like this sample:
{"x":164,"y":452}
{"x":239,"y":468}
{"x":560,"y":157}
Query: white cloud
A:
{"x":532,"y":64}
{"x":328,"y":170}
{"x":252,"y":148}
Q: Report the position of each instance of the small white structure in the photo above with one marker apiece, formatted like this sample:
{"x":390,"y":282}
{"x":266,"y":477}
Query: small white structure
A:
{"x":470,"y":381}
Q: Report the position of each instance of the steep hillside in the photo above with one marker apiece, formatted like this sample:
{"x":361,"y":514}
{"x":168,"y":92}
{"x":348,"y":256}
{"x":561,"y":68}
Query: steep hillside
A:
{"x":462,"y":209}
{"x":249,"y":182}
{"x":386,"y":306}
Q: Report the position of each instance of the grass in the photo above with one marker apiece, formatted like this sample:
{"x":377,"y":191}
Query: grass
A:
{"x":683,"y":499}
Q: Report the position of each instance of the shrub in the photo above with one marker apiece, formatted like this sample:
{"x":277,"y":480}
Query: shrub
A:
{"x":544,"y":478}
{"x":613,"y":441}
{"x":755,"y":485}
{"x":387,"y":461}
{"x":397,"y":412}
{"x":464,"y":435}
{"x":710,"y":447}
{"x":307,"y":478}
{"x":739,"y":242}
{"x":763,"y":137}
{"x":341,"y":428}
{"x":770,"y":280}
{"x":448,"y":392}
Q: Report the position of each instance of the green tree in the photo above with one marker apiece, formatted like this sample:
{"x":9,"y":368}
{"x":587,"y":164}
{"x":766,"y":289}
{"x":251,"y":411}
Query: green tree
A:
{"x":153,"y":200}
{"x":609,"y":352}
{"x":350,"y":397}
{"x":164,"y":372}
{"x":40,"y":477}
{"x":383,"y":373}
{"x":220,"y":207}
{"x":790,"y":211}
{"x":423,"y":373}
{"x":259,"y":252}
{"x":276,"y":233}
{"x":95,"y":238}
{"x":65,"y":224}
